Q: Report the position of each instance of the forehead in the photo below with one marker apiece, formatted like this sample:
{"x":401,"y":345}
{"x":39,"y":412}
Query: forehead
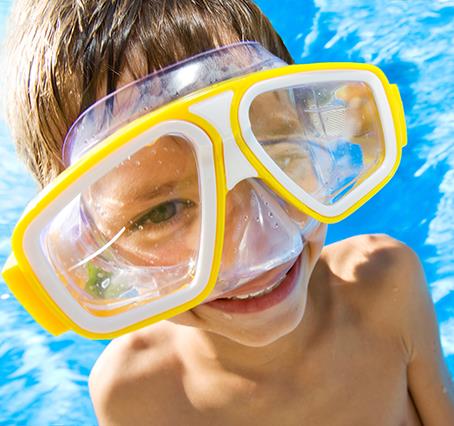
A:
{"x":166,"y":160}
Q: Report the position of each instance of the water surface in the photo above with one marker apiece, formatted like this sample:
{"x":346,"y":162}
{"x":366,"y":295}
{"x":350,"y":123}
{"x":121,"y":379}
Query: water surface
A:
{"x":43,"y":379}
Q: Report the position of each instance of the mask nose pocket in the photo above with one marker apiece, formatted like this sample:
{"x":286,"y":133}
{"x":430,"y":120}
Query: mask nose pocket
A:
{"x":259,"y":234}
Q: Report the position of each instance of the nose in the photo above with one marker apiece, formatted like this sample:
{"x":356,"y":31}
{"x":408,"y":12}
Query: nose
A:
{"x":261,"y":230}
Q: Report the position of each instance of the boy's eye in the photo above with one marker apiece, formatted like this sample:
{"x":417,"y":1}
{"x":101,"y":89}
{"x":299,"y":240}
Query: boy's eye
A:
{"x":162,"y":213}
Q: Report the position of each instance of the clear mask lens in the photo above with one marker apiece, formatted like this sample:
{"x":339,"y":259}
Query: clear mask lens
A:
{"x":327,"y":137}
{"x":132,"y":236}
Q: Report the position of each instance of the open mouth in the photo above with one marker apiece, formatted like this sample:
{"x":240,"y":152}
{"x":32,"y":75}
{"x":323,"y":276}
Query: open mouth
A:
{"x":266,"y":291}
{"x":259,"y":293}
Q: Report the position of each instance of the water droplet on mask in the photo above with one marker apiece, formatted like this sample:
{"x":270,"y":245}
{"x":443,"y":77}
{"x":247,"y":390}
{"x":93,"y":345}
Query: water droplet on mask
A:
{"x":246,"y":217}
{"x":140,"y":228}
{"x":276,"y":225}
{"x":257,"y":219}
{"x":138,"y":163}
{"x":105,"y":283}
{"x":270,"y":214}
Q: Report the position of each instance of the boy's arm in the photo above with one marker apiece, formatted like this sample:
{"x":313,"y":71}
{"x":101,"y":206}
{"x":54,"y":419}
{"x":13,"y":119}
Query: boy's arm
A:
{"x":429,"y":381}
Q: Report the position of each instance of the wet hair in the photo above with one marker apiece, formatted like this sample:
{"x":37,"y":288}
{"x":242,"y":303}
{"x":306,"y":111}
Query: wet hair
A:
{"x":63,"y":55}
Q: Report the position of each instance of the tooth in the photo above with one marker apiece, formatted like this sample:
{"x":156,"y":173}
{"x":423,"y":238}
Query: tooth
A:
{"x":258,"y":293}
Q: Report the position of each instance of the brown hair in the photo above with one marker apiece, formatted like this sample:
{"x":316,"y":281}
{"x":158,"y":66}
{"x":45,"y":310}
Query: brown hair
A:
{"x":65,"y":54}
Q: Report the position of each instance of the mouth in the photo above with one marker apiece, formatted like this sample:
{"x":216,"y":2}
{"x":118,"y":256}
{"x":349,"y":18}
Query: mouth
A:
{"x":262,"y":293}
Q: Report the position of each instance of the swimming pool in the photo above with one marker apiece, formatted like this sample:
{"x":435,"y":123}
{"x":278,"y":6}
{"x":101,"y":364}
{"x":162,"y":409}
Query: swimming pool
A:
{"x":43,"y":380}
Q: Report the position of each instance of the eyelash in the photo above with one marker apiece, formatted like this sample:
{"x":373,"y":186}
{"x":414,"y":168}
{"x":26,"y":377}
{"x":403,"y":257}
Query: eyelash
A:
{"x":144,"y":220}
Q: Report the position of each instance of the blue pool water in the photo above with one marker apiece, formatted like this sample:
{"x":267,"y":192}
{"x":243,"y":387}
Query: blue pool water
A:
{"x":43,"y":379}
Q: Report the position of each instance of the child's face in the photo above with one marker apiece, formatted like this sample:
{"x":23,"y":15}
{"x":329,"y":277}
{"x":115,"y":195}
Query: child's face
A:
{"x":157,"y":191}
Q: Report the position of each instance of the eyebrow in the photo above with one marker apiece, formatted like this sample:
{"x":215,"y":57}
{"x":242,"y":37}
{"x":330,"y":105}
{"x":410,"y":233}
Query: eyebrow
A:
{"x":144,"y":193}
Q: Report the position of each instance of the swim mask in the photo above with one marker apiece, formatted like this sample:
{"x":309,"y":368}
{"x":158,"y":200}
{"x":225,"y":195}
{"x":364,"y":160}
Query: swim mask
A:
{"x":197,"y":179}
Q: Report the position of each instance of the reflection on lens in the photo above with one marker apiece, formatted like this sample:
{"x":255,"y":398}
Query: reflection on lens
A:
{"x":327,"y":137}
{"x":134,"y":234}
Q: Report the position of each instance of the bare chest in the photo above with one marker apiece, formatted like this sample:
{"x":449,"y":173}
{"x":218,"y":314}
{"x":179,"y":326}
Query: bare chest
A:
{"x":359,"y":383}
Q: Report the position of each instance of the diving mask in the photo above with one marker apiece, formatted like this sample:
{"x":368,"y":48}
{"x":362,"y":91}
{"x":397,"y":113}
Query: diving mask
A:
{"x":137,"y":228}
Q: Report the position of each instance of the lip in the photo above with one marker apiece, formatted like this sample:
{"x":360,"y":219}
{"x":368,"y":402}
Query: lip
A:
{"x":263,"y":281}
{"x":263,"y":302}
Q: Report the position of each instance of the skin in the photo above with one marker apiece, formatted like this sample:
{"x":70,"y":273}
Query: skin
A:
{"x":367,"y":351}
{"x":355,"y":343}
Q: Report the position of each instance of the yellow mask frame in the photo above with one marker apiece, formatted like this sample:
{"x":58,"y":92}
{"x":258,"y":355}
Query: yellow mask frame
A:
{"x":21,"y":276}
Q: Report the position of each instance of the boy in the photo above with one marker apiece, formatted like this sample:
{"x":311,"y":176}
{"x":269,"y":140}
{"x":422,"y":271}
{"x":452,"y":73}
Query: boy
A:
{"x":353,"y":342}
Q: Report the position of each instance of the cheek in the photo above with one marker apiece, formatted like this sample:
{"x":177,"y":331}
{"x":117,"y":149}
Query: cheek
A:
{"x":179,"y":247}
{"x":316,"y":242}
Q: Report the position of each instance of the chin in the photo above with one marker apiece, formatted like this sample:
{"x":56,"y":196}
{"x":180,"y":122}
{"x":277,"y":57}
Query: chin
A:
{"x":266,"y":329}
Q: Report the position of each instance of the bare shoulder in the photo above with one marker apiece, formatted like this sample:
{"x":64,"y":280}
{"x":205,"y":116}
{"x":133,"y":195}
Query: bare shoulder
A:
{"x":133,"y":375}
{"x":378,"y":285}
{"x":372,"y":259}
{"x":380,"y":278}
